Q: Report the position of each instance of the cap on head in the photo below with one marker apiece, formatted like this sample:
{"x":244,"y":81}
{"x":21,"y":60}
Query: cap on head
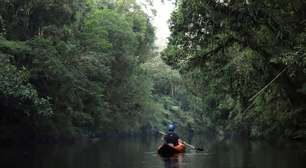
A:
{"x":171,"y":127}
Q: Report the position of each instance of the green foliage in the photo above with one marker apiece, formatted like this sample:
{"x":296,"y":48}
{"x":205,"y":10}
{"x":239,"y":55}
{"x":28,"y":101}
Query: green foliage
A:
{"x":72,"y":68}
{"x":170,"y":97}
{"x":22,"y":20}
{"x":15,"y":85}
{"x":22,"y":108}
{"x":228,"y":51}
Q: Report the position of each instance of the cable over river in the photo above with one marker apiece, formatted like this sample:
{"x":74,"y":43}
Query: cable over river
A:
{"x":141,"y":153}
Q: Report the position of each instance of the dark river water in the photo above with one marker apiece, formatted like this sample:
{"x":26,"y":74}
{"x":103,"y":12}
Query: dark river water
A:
{"x":141,"y":153}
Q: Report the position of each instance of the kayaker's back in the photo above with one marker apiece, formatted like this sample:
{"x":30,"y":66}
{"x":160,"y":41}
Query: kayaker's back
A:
{"x":171,"y":138}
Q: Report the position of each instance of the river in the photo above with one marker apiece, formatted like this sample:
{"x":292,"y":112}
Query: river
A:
{"x":141,"y":153}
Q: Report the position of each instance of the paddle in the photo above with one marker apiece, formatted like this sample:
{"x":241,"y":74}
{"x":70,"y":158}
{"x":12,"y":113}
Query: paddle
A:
{"x":184,"y":142}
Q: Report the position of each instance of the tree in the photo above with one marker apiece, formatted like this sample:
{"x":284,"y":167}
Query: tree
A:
{"x":239,"y":47}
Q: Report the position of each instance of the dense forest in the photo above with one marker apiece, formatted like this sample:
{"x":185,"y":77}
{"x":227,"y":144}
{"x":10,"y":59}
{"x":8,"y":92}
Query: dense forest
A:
{"x":245,"y":61}
{"x":72,"y":68}
{"x":75,"y":68}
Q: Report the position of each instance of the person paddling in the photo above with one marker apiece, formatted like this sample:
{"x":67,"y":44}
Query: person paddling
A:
{"x":172,"y":143}
{"x":171,"y":138}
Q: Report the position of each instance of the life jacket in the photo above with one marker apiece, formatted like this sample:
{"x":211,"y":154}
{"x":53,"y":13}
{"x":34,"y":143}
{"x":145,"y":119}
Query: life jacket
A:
{"x":172,"y":138}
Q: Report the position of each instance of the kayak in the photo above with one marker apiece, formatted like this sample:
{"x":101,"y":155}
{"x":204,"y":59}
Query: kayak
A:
{"x":167,"y":150}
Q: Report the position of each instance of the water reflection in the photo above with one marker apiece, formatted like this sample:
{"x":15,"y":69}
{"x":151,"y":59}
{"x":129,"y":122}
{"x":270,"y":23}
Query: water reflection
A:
{"x":175,"y":161}
{"x":141,"y":153}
